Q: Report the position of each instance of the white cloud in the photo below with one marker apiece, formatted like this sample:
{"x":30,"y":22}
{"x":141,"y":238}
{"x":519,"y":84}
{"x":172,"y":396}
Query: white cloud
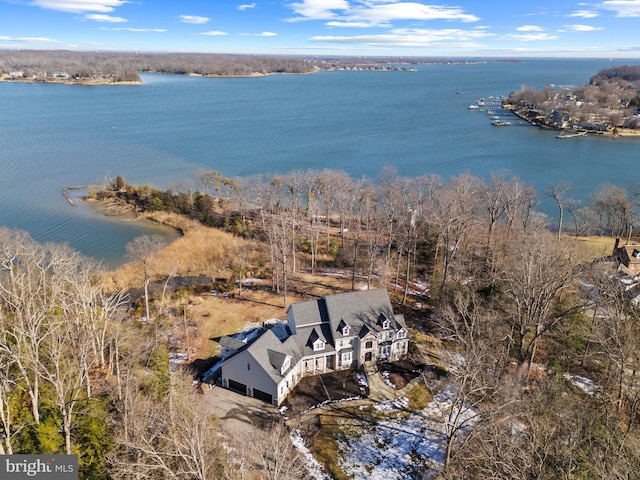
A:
{"x":413,"y":37}
{"x":214,"y":33}
{"x":584,"y":14}
{"x":530,"y":28}
{"x":129,"y":29}
{"x":381,"y":11}
{"x":79,"y":6}
{"x":38,"y":39}
{"x":623,"y":8}
{"x":531,"y":37}
{"x":263,"y":34}
{"x":194,"y":19}
{"x":582,"y":28}
{"x":100,"y":17}
{"x":246,"y":6}
{"x":30,"y":39}
{"x":352,"y":24}
{"x":319,"y":9}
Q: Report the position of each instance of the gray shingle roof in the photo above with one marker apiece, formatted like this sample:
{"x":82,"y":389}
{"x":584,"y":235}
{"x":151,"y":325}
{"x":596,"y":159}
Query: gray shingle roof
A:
{"x":362,"y":308}
{"x":362,"y":311}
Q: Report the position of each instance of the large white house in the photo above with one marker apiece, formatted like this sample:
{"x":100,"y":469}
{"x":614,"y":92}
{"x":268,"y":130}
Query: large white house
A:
{"x":333,"y":333}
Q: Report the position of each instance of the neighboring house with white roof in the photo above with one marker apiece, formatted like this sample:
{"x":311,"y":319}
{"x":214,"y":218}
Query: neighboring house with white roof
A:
{"x":336,"y":332}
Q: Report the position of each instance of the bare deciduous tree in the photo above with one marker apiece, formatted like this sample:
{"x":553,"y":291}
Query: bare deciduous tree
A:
{"x":535,"y":272}
{"x":142,"y":249}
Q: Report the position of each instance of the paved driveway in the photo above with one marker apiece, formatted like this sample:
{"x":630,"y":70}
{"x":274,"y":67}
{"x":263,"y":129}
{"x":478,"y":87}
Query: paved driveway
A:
{"x":239,"y":414}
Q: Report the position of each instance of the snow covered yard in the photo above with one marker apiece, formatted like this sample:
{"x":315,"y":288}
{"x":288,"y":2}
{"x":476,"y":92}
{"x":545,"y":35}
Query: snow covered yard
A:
{"x":382,"y":441}
{"x":400,"y":446}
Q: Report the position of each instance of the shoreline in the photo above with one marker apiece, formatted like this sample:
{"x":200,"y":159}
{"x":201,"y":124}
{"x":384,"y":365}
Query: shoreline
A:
{"x":58,"y":81}
{"x":88,"y":82}
{"x":618,"y":132}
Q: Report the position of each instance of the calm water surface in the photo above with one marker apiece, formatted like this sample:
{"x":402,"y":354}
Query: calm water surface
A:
{"x":53,"y":136}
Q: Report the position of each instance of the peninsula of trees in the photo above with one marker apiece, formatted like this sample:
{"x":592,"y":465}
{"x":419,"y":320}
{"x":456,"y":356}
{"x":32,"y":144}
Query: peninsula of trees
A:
{"x":99,"y":68}
{"x":609,"y":103}
{"x":64,"y":66}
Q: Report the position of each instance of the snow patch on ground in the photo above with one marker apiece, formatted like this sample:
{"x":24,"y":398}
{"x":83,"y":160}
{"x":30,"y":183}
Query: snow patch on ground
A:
{"x":385,"y":378}
{"x":394,"y":449}
{"x":585,"y":384}
{"x":401,"y":445}
{"x":313,"y":466}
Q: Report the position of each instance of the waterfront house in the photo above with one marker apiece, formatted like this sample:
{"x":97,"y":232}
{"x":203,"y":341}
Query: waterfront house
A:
{"x":336,"y":332}
{"x":628,"y":257}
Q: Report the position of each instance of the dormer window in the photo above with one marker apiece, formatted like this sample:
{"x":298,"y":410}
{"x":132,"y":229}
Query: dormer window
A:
{"x":385,"y":324}
{"x":343,"y":328}
{"x":401,"y":334}
{"x":318,"y":345}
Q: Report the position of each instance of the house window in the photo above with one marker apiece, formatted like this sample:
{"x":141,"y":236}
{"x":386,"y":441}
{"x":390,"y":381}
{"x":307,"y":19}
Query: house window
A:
{"x":369,"y":344}
{"x":248,"y":366}
{"x":318,"y":345}
{"x":346,"y":358}
{"x":345,"y":330}
{"x":385,"y":325}
{"x":402,"y":334}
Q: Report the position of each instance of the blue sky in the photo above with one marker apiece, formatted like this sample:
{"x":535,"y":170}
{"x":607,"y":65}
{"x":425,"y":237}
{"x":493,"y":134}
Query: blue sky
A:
{"x":478,"y":28}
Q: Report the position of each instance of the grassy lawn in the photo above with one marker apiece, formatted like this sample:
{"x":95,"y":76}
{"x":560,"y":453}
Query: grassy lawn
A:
{"x":599,"y":246}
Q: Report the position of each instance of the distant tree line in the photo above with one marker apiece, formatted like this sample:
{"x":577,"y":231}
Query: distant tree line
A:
{"x":629,"y":73}
{"x":120,"y":67}
{"x":43,"y":65}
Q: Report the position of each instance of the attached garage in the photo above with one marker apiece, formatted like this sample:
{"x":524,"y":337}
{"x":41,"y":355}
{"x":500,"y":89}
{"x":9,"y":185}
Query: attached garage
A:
{"x":264,"y":396}
{"x":237,"y":387}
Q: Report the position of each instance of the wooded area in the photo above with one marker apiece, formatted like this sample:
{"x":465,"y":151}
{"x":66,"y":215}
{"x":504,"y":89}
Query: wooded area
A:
{"x":105,"y":67}
{"x":471,"y":262}
{"x":43,"y":65}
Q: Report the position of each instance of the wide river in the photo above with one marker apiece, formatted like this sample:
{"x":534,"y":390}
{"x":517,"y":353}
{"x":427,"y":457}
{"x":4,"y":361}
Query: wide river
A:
{"x":162,"y":132}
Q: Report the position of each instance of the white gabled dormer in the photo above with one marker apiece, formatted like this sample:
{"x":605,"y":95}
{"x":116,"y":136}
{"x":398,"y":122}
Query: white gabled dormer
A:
{"x":316,"y":342}
{"x":402,"y":333}
{"x":344,"y":328}
{"x":384,"y":322}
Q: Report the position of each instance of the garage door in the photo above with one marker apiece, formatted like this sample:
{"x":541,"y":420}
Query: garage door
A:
{"x":264,"y":396}
{"x":237,"y":387}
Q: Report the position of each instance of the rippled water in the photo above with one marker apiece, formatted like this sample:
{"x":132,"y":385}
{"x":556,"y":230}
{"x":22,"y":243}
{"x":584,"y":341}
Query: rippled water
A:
{"x":53,"y":136}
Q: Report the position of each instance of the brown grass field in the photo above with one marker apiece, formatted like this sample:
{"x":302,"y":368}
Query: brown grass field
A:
{"x":202,"y":250}
{"x":598,"y":246}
